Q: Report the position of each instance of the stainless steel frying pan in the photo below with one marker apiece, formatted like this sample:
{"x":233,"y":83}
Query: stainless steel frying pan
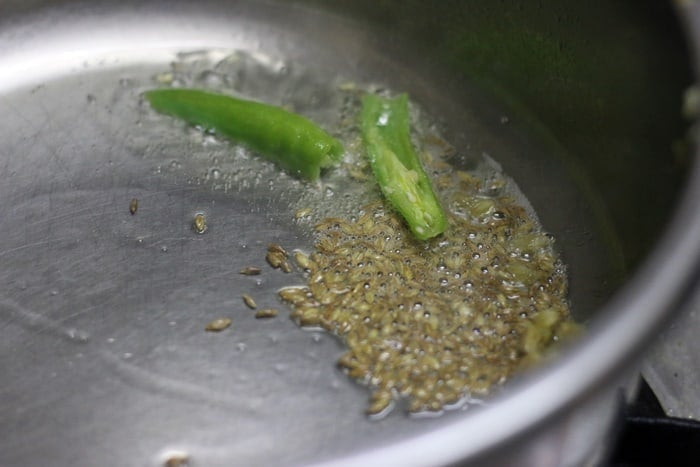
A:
{"x":103,"y":356}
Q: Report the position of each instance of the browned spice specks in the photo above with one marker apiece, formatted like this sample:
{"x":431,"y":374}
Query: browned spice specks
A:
{"x":266,"y":313}
{"x":277,"y":257}
{"x":199,"y":224}
{"x":219,"y":324}
{"x":250,"y":271}
{"x":248,"y":300}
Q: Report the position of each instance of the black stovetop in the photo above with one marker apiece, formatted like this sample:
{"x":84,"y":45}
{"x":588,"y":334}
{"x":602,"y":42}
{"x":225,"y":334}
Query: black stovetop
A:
{"x":649,"y":437}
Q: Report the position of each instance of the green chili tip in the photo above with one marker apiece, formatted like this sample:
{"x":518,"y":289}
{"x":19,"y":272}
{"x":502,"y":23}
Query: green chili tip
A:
{"x":396,"y":165}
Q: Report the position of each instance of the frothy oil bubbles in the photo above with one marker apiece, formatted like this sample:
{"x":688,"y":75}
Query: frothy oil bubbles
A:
{"x":435,"y":323}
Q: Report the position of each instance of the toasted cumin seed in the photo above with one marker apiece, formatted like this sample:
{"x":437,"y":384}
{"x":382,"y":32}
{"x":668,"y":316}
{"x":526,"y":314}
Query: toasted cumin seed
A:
{"x":273,"y":247}
{"x":302,"y":259}
{"x":248,"y":300}
{"x":266,"y":313}
{"x":250,"y":271}
{"x":275,"y":259}
{"x":302,"y":213}
{"x":199,"y":224}
{"x":285,"y":266}
{"x":218,"y":324}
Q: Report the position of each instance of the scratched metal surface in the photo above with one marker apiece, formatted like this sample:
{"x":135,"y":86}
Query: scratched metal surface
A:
{"x":671,"y":367}
{"x":103,"y":312}
{"x":103,"y":355}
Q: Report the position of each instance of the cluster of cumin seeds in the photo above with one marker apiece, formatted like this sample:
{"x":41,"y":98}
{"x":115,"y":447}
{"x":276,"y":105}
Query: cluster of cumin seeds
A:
{"x":435,"y":323}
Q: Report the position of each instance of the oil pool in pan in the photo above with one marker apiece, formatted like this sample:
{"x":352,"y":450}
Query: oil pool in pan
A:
{"x":430,"y":321}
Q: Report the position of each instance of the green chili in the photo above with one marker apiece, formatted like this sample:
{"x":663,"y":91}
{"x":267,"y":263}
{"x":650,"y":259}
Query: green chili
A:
{"x":293,"y":142}
{"x":386,"y":133}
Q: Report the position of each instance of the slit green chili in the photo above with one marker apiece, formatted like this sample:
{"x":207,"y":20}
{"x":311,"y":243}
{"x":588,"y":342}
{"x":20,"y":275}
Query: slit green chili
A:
{"x":294,"y":142}
{"x":385,"y":125}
